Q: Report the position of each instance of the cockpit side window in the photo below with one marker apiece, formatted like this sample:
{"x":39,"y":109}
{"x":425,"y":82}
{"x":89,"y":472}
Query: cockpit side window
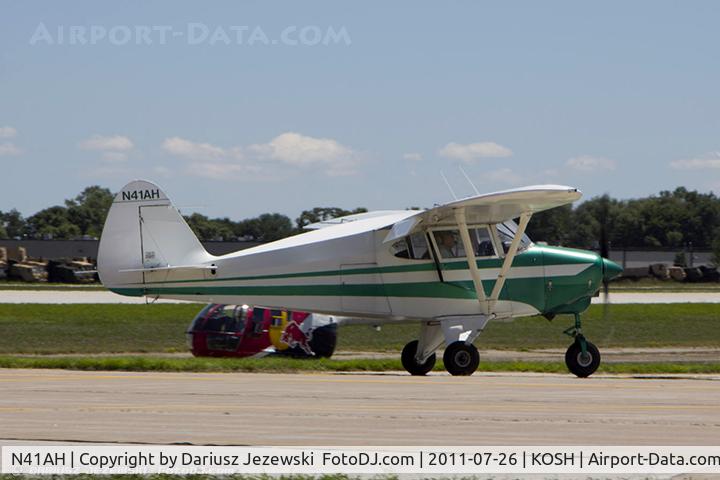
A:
{"x":506,"y":232}
{"x":258,"y":316}
{"x":413,"y":247}
{"x":450,"y":243}
{"x":482,"y":244}
{"x":240,"y":312}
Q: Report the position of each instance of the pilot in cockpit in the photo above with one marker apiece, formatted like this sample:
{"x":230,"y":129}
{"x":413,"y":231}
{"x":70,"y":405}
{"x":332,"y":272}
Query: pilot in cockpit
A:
{"x":448,"y":244}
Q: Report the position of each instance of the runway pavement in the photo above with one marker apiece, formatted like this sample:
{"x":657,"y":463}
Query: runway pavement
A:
{"x":71,"y":296}
{"x":359,"y":409}
{"x":100,"y":296}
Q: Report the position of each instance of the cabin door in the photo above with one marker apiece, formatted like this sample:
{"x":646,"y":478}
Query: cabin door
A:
{"x":362,"y":289}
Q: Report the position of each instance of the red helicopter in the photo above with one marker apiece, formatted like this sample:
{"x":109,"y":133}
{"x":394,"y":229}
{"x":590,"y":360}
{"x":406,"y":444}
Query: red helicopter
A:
{"x":243,"y":331}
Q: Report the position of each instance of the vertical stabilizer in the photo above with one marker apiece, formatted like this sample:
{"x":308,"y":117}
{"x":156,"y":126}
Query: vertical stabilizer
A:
{"x":143,"y":230}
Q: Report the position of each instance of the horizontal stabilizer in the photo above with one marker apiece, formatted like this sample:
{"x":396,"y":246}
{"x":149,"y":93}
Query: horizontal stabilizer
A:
{"x":169,"y":267}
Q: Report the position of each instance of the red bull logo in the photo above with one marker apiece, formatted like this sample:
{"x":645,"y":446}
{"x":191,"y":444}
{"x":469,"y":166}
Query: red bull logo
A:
{"x":293,"y":336}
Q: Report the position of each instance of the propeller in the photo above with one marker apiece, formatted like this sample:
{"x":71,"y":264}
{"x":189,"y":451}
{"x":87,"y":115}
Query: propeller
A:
{"x":604,"y":251}
{"x":610,"y":269}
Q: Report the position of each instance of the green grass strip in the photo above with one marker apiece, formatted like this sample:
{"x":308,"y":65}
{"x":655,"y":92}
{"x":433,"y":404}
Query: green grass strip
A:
{"x":291,"y":365}
{"x":160,"y":328}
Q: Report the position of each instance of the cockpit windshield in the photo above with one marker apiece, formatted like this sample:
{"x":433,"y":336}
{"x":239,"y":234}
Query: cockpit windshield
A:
{"x":506,"y":232}
{"x":221,"y":318}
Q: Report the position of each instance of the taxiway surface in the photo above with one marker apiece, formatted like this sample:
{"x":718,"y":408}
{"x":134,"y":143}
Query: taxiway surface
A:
{"x":99,"y":296}
{"x":372,"y":409}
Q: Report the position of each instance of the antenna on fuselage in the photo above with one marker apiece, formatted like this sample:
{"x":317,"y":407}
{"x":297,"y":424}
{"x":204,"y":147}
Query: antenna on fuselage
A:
{"x":468,"y":179}
{"x":452,"y":192}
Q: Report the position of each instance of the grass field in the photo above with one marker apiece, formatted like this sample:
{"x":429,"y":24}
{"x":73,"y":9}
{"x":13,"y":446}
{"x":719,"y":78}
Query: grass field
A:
{"x":56,"y":329}
{"x":167,"y":476}
{"x":655,"y":285}
{"x":18,"y":285}
{"x":292,"y":365}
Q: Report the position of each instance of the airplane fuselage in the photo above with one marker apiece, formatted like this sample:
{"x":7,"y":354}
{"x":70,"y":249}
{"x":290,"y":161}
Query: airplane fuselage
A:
{"x":358,"y":275}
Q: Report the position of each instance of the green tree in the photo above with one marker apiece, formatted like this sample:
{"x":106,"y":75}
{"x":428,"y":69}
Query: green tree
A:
{"x":52,"y":223}
{"x":210,"y":229}
{"x":552,"y":226}
{"x":268,"y":227}
{"x":89,"y":209}
{"x":318,"y":214}
{"x":13,"y":224}
{"x":716,"y":247}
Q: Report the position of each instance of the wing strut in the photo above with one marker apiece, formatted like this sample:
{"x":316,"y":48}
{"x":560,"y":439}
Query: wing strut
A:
{"x":509,"y":257}
{"x":470,"y":252}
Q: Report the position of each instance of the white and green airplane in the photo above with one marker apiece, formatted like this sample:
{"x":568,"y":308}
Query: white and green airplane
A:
{"x":452,"y":269}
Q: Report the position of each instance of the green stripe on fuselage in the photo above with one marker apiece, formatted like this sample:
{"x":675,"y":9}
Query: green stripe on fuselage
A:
{"x":529,"y":290}
{"x":569,"y":290}
{"x":530,"y":258}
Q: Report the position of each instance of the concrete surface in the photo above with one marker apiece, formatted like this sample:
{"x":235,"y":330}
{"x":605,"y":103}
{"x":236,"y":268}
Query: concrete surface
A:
{"x":100,"y":296}
{"x":372,"y":409}
{"x":69,"y":296}
{"x":609,"y":355}
{"x":660,"y":297}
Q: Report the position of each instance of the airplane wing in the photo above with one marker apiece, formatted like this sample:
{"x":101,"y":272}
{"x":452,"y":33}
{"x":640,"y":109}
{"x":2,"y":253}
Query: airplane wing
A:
{"x":350,"y":218}
{"x":494,"y":207}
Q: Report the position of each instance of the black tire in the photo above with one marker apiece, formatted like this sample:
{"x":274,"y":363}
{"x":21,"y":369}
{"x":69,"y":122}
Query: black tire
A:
{"x":582,"y":367}
{"x":461,"y":359}
{"x":324,"y":340}
{"x":408,"y":360}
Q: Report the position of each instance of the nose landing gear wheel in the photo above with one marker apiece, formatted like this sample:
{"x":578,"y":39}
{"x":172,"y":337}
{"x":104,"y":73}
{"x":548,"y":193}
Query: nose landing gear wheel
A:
{"x":582,"y":365}
{"x":461,"y":359}
{"x":408,"y":360}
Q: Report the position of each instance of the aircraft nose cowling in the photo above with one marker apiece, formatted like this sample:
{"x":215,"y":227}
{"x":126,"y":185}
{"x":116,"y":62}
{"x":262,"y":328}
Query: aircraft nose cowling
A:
{"x":610,"y":270}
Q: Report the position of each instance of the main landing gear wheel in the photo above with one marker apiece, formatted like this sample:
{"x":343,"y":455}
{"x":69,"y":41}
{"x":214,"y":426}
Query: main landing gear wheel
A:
{"x":408,"y":360}
{"x":461,"y":359}
{"x":582,"y":364}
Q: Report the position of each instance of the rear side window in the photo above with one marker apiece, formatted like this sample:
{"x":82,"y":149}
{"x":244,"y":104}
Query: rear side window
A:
{"x":413,"y":247}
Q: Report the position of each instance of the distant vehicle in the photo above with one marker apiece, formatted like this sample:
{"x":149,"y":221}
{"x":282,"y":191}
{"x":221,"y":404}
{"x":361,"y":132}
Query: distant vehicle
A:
{"x":20,"y":267}
{"x":3,"y":262}
{"x":71,"y":270}
{"x":243,"y":331}
{"x":452,"y":269}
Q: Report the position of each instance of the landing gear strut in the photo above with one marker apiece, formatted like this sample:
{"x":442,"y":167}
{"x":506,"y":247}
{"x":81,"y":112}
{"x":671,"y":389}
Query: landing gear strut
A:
{"x":582,"y":357}
{"x":411,"y":364}
{"x":461,"y":358}
{"x":458,"y":333}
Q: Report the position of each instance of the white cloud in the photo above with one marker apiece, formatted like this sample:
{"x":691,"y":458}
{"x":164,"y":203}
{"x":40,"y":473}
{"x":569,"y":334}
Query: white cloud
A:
{"x":413,"y":157}
{"x":708,"y":160}
{"x":99,"y":142}
{"x":108,"y":171}
{"x":162,"y":171}
{"x":7,"y":149}
{"x":503,"y":175}
{"x":471,"y":152}
{"x":257,"y":160}
{"x":113,"y":157}
{"x":197,"y":151}
{"x":7,"y":132}
{"x":588,"y":163}
{"x":223,"y":171}
{"x":303,"y":151}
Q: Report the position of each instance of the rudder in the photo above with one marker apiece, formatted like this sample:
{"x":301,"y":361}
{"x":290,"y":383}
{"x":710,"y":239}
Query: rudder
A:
{"x":143,"y":230}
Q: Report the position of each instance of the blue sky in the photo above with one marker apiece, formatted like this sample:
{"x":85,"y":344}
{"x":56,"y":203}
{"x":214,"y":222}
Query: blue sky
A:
{"x":239,"y":108}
